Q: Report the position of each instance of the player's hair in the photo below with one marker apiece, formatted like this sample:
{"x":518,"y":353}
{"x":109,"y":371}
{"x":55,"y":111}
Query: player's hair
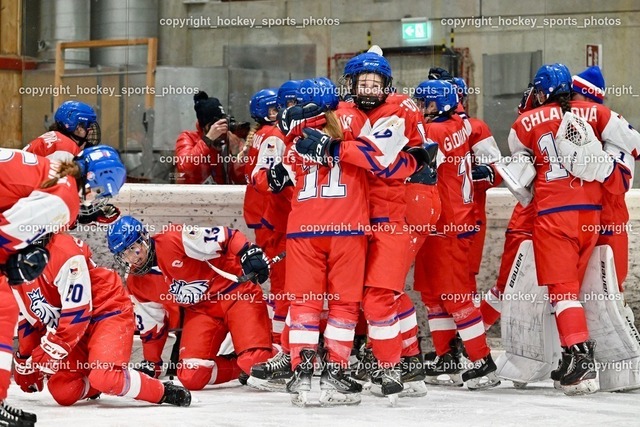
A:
{"x":332,"y":127}
{"x":249,"y":140}
{"x":66,"y":169}
{"x":563,"y":101}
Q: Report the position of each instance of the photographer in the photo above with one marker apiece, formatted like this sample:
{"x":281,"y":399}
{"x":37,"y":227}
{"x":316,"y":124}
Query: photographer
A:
{"x":206,"y":155}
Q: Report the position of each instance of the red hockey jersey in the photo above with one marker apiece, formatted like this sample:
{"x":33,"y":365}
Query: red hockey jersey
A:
{"x":27,"y":211}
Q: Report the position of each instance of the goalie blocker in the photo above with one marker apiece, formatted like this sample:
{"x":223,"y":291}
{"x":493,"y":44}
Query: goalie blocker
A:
{"x":530,"y":336}
{"x":518,"y":173}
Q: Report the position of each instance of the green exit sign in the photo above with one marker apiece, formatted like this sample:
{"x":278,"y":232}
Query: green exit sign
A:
{"x":415,"y":29}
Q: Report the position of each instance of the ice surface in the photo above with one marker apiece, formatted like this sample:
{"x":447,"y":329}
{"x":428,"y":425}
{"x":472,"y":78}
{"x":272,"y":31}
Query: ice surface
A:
{"x":234,"y":405}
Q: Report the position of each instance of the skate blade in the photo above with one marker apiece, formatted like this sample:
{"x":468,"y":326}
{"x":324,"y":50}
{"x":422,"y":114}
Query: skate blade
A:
{"x":274,"y":386}
{"x":482,"y":383}
{"x":447,"y":380}
{"x":393,"y":399}
{"x":300,"y":399}
{"x":414,"y":389}
{"x":582,"y":388}
{"x":335,"y":398}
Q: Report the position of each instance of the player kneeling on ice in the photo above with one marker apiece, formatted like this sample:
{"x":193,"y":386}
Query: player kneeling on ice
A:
{"x":199,"y":268}
{"x":40,"y":196}
{"x":77,"y":331}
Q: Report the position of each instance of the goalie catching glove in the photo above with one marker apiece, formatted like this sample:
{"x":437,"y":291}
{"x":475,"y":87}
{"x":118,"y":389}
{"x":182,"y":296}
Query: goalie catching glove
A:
{"x":292,"y":120}
{"x":580,"y":152}
{"x":26,"y":265}
{"x":317,"y":147}
{"x":254,"y":260}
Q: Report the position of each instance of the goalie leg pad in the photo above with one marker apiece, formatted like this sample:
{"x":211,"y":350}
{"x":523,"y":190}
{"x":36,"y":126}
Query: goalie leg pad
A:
{"x":611,"y":324}
{"x":529,"y":332}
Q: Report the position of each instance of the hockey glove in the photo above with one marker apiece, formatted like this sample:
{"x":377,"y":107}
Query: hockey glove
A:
{"x":526,"y":103}
{"x":253,"y":260}
{"x":317,"y":147}
{"x":105,"y":215}
{"x":482,"y":173}
{"x":292,"y":120}
{"x":426,"y":160}
{"x":152,"y":369}
{"x":438,"y":73}
{"x":48,"y":356}
{"x":30,"y":379}
{"x":278,"y":178}
{"x":26,"y":265}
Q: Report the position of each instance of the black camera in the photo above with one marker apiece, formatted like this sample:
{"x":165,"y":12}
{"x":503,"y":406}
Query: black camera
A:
{"x":232,"y":125}
{"x":240,"y":129}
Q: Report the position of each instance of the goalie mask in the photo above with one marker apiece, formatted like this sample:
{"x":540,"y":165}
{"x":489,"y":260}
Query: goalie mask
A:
{"x":368,"y":77}
{"x":131,"y":246}
{"x":441,"y":93}
{"x":78,"y":121}
{"x":550,"y":82}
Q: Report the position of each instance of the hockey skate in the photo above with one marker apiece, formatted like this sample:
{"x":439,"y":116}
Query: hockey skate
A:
{"x":13,"y":417}
{"x":175,"y":395}
{"x":337,"y":388}
{"x":582,"y":375}
{"x":444,"y":370}
{"x":300,"y":383}
{"x":273,"y":374}
{"x":243,"y":378}
{"x":387,"y":382}
{"x":482,"y":375}
{"x":413,"y":376}
{"x":561,"y":370}
{"x":365,"y":366}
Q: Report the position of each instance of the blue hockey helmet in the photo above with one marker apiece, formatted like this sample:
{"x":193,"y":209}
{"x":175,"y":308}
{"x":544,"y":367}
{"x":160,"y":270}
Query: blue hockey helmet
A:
{"x":552,"y":80}
{"x":260,"y":104}
{"x":320,"y":91}
{"x":442,"y":92}
{"x":287,"y":93}
{"x":72,"y":114}
{"x":461,"y":86}
{"x":102,"y":170}
{"x":370,"y":62}
{"x":122,"y":235}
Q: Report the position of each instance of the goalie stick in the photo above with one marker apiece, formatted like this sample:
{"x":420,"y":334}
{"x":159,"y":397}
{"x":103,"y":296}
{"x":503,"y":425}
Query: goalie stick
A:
{"x":245,"y":277}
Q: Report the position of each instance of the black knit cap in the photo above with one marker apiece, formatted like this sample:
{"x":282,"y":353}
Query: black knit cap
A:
{"x":208,"y":110}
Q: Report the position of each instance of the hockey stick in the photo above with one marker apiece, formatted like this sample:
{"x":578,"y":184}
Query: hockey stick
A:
{"x":245,"y":277}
